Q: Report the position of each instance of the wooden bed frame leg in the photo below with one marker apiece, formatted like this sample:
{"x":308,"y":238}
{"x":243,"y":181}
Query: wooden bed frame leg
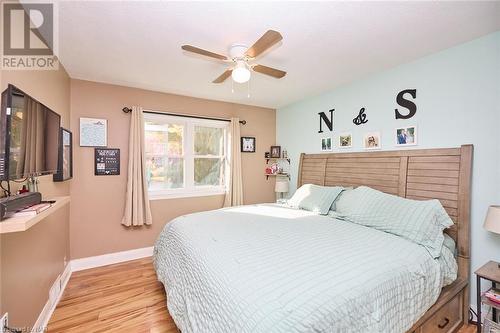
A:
{"x":466,"y":305}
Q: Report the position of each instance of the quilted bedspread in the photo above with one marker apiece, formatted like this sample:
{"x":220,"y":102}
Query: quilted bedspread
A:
{"x":268,"y":268}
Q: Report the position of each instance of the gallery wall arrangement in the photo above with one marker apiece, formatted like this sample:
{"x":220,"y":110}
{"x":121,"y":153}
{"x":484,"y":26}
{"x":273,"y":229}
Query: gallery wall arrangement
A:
{"x":403,"y":136}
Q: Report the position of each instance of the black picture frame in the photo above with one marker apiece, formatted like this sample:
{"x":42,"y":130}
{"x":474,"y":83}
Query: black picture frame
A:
{"x":250,"y":149}
{"x":275,"y":151}
{"x":64,"y":155}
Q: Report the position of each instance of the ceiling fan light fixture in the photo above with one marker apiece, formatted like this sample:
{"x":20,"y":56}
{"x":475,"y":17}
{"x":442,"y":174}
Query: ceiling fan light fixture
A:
{"x":241,"y":73}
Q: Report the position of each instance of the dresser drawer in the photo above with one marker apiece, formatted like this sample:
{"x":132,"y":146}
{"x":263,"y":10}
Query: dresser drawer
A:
{"x":447,"y":319}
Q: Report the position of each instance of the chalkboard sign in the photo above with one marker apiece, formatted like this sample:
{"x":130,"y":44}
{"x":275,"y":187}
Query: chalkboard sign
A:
{"x":107,"y":162}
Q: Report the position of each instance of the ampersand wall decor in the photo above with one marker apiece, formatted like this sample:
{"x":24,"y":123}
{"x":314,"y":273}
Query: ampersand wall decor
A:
{"x":361,"y":118}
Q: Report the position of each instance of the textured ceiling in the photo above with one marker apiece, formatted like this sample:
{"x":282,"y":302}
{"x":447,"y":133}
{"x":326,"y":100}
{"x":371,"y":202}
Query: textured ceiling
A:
{"x":325,"y":44}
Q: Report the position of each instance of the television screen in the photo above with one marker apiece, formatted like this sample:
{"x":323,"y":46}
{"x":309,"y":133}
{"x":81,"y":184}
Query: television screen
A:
{"x":32,"y":136}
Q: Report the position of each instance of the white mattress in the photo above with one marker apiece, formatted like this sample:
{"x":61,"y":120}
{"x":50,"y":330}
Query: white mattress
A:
{"x":267,"y":268}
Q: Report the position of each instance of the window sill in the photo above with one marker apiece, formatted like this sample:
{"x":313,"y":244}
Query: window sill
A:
{"x":172,"y":195}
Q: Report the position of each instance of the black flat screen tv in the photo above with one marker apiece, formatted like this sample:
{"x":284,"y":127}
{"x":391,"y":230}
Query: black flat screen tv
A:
{"x":29,"y":136}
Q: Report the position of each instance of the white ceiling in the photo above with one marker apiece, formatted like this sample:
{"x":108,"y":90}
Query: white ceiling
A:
{"x":325,"y":44}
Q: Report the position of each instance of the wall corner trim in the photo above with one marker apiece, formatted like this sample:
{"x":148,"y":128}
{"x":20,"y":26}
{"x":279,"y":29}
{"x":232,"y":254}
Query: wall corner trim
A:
{"x":110,"y":258}
{"x":49,"y":307}
{"x":80,"y":265}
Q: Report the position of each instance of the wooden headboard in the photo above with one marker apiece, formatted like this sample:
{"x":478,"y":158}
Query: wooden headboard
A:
{"x":443,"y":174}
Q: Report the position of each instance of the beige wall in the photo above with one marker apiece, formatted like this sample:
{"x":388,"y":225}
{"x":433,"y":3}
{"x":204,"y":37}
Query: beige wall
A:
{"x":32,"y":260}
{"x":97,"y":202}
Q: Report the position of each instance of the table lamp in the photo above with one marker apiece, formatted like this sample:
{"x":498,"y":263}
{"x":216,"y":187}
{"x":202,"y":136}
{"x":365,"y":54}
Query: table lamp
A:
{"x":281,"y":187}
{"x":492,"y":221}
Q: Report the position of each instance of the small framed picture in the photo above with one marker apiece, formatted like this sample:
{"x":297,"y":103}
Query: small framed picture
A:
{"x":345,"y":140}
{"x":371,"y":140}
{"x":247,"y":144}
{"x":326,"y":144}
{"x":406,"y":136}
{"x":275,"y":151}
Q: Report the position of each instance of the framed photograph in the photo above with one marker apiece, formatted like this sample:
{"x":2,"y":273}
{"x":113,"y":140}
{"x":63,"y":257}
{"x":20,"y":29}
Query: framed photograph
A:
{"x":326,"y":144}
{"x":247,"y":144}
{"x":65,"y":156}
{"x":275,"y":151}
{"x":406,"y":136}
{"x":345,"y":140}
{"x":93,"y":132}
{"x":371,"y":140}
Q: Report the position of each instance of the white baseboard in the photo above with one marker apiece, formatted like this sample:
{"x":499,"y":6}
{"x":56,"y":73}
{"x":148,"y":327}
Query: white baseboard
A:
{"x":49,"y":307}
{"x":79,"y":265}
{"x":111,"y":258}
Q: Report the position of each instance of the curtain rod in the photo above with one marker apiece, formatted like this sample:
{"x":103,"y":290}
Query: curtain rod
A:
{"x":128,"y":110}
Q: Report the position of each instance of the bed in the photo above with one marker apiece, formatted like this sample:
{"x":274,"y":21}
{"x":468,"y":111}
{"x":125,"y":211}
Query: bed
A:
{"x":287,"y":270}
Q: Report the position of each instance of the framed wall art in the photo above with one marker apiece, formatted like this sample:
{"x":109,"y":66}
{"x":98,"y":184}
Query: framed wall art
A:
{"x":371,"y":140}
{"x":247,"y":144}
{"x":345,"y":140}
{"x":406,"y":136}
{"x":93,"y":132}
{"x":65,"y":156}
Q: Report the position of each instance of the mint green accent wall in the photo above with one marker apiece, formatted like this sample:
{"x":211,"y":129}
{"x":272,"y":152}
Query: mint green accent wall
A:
{"x":458,"y":102}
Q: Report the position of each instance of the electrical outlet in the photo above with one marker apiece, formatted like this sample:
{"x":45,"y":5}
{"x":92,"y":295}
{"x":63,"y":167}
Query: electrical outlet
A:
{"x":4,"y":322}
{"x":64,"y":261}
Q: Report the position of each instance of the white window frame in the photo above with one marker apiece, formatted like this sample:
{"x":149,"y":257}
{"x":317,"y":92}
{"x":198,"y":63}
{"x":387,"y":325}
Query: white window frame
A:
{"x":190,"y":189}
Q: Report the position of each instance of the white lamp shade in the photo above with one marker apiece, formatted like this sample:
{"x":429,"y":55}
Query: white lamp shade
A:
{"x":281,"y":187}
{"x":492,"y":222}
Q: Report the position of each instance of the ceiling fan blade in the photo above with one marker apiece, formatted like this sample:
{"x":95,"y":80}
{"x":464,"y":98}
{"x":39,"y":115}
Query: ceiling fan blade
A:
{"x":267,"y":40}
{"x":197,"y":50}
{"x":269,"y":71}
{"x":223,"y":76}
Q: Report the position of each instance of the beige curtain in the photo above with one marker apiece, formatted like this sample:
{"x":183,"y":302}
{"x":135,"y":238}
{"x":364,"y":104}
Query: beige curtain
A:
{"x":234,"y":193}
{"x":137,"y":209}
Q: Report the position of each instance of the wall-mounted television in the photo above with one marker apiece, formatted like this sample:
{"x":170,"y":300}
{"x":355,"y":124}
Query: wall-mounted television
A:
{"x":29,"y":136}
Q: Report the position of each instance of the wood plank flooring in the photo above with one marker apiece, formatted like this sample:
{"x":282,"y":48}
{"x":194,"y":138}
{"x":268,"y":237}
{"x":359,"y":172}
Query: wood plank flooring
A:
{"x":125,"y":297}
{"x":122,"y":298}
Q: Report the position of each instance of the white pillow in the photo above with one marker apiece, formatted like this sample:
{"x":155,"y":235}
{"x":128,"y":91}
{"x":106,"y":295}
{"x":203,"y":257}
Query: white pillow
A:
{"x":315,"y":198}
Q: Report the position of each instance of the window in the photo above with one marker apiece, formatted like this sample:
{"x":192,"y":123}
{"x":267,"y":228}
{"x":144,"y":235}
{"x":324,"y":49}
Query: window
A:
{"x":184,"y":156}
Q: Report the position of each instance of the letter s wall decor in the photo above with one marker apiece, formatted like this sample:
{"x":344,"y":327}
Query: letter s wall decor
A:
{"x":412,"y":107}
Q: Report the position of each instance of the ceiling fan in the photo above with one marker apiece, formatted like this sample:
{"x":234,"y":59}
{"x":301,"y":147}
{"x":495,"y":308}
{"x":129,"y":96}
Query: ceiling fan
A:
{"x":240,"y":56}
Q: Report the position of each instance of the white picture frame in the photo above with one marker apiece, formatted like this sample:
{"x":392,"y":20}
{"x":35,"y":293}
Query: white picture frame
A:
{"x":327,"y":143}
{"x":406,"y":136}
{"x":372,"y":141}
{"x":345,"y":140}
{"x":93,"y":132}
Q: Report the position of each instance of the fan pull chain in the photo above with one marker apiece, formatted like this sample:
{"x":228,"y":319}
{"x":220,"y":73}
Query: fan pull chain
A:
{"x":248,"y":91}
{"x":232,"y":86}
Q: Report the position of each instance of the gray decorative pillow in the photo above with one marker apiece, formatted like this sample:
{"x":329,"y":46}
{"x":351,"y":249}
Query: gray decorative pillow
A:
{"x":422,"y":222}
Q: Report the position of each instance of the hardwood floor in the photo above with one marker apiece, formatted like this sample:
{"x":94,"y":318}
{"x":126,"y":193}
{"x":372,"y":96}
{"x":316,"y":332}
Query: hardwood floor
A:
{"x":123,"y":298}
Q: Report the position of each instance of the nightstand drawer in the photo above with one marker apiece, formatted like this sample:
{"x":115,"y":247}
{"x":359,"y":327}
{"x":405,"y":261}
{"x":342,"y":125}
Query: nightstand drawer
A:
{"x":447,"y":319}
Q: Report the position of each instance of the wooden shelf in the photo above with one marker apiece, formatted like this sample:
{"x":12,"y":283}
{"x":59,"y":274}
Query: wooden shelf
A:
{"x":278,"y":175}
{"x":277,"y":159}
{"x":23,"y":223}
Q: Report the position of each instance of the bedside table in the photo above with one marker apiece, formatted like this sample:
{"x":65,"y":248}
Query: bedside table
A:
{"x":491,"y":272}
